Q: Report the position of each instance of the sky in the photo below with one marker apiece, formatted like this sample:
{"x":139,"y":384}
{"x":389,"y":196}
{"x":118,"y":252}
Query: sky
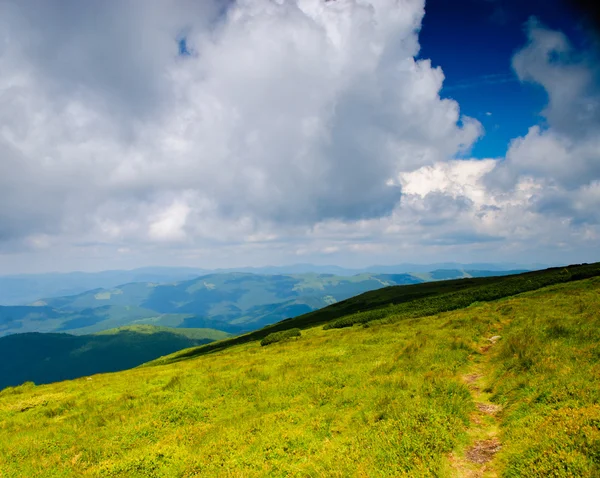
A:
{"x":238,"y":133}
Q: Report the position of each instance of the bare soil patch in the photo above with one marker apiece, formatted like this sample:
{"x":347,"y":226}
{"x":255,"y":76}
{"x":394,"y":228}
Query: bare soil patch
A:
{"x":469,"y":379}
{"x":483,"y":451}
{"x":488,"y":408}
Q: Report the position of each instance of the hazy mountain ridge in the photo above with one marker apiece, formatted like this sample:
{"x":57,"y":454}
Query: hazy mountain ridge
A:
{"x":234,"y":301}
{"x":24,"y":289}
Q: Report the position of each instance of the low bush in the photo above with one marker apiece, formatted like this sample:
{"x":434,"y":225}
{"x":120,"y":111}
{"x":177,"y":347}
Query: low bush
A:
{"x":280,"y":336}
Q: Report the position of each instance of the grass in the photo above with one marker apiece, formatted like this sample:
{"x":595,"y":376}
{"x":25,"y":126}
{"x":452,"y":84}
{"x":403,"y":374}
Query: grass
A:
{"x":546,"y":374}
{"x":381,"y":399}
{"x":408,"y":301}
{"x":326,"y":404}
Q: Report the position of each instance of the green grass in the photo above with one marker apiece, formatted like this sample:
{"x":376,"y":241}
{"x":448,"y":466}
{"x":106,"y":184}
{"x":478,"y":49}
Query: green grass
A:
{"x":546,"y":374}
{"x":408,"y":301}
{"x":328,"y":404}
{"x":380,"y":399}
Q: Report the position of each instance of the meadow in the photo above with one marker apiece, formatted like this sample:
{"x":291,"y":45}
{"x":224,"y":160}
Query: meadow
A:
{"x":398,"y":396}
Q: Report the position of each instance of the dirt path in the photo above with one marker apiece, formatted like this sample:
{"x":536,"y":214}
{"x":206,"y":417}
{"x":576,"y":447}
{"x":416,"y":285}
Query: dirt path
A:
{"x":477,"y":459}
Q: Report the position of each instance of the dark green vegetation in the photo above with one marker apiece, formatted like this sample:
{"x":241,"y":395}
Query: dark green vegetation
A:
{"x":46,"y":358}
{"x":280,"y":336}
{"x":390,"y":399}
{"x":419,"y":300}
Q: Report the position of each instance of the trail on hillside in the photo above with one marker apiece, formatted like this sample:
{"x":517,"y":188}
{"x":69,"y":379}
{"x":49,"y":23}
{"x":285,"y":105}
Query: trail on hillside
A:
{"x":477,"y":460}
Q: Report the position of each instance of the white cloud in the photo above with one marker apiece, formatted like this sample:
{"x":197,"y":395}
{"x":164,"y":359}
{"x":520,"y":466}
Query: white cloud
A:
{"x":170,"y":222}
{"x":545,"y":194}
{"x":562,"y":158}
{"x":292,"y":128}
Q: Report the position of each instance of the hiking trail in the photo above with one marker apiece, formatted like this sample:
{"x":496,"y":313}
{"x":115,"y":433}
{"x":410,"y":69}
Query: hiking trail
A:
{"x":477,"y":459}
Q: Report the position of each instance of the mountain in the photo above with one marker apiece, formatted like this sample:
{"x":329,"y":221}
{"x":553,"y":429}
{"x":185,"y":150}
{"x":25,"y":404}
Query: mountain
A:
{"x":473,"y":377}
{"x":46,"y":358}
{"x":405,"y":268}
{"x":24,"y":289}
{"x":233,"y":302}
{"x":420,"y":268}
{"x":55,"y":356}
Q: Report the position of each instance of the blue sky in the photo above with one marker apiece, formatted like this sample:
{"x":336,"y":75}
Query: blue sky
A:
{"x":229,"y":133}
{"x":473,"y":41}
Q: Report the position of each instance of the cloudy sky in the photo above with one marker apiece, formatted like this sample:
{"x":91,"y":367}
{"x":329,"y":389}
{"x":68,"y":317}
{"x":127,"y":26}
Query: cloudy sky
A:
{"x":251,"y":132}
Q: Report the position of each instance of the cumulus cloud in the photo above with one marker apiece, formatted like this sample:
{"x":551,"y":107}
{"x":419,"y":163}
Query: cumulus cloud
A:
{"x":286,"y":127}
{"x":285,"y":112}
{"x":563,"y":156}
{"x":544,"y":194}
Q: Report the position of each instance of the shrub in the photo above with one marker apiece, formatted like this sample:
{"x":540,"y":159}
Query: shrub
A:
{"x":280,"y":336}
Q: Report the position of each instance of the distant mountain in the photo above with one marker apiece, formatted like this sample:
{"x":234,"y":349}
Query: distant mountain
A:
{"x":233,"y":302}
{"x":405,"y":268}
{"x":469,"y":268}
{"x":46,"y":358}
{"x":26,"y":288}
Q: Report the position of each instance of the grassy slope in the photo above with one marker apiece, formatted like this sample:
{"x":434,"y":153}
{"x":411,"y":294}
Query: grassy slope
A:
{"x":402,"y":302}
{"x":45,"y":358}
{"x":546,"y":374}
{"x":382,"y":400}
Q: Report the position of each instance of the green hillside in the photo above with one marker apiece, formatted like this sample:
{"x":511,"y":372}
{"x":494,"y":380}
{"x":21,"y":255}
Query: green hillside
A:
{"x":402,"y":302}
{"x":20,"y":289}
{"x":506,"y":387}
{"x":46,"y":358}
{"x":58,"y":356}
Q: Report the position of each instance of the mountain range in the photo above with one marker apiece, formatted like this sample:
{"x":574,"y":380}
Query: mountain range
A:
{"x":233,"y":302}
{"x":23,"y":289}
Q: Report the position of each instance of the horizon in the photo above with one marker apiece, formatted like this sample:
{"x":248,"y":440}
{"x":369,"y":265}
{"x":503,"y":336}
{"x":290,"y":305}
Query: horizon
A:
{"x":499,"y":266}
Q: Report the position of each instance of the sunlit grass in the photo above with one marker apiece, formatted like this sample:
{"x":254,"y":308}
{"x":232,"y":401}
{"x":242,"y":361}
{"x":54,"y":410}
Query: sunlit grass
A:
{"x":381,"y":400}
